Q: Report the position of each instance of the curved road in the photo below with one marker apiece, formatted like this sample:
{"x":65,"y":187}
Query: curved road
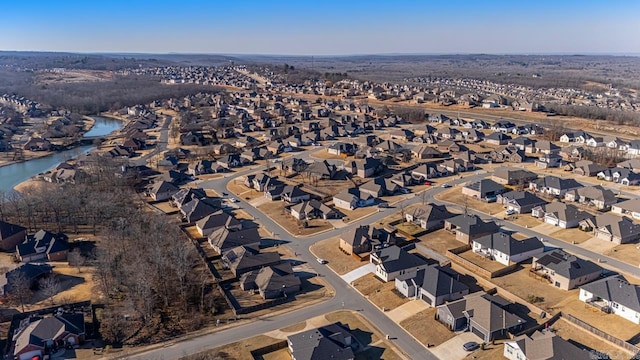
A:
{"x":345,"y":296}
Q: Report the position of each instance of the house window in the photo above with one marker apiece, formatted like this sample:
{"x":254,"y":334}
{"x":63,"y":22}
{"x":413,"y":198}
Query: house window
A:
{"x":557,"y":284}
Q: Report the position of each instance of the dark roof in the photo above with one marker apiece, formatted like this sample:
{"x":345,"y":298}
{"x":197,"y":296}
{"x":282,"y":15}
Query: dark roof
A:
{"x":7,"y":230}
{"x":43,"y":242}
{"x":218,"y":219}
{"x":485,"y":186}
{"x":524,"y":198}
{"x":435,"y":280}
{"x":546,"y":345}
{"x":432,"y":212}
{"x":616,"y":289}
{"x":488,"y":311}
{"x":567,"y":265}
{"x":327,"y":342}
{"x":506,"y":244}
{"x":472,"y":224}
{"x":395,"y":258}
{"x":241,"y":258}
{"x":224,"y":239}
{"x":554,"y":182}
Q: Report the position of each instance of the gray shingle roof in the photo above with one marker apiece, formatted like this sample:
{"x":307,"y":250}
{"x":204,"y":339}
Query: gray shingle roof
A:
{"x":506,"y":244}
{"x":567,"y":265}
{"x":616,"y":289}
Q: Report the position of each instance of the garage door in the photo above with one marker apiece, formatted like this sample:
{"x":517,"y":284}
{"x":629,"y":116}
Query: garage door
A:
{"x":603,"y":236}
{"x":478,"y":332}
{"x":426,"y":299}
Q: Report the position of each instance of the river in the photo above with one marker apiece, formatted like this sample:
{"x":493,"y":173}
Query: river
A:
{"x":14,"y":174}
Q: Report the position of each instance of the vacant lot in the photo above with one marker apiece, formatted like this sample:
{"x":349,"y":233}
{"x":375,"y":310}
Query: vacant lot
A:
{"x":454,"y":195}
{"x":522,"y":284}
{"x":75,"y":286}
{"x":324,"y":154}
{"x":440,"y":241}
{"x":276,"y":211}
{"x":240,"y":350}
{"x":382,"y":294}
{"x":338,"y":261}
{"x":525,"y":220}
{"x":352,"y":215}
{"x":237,"y":188}
{"x":580,"y":337}
{"x":166,"y":207}
{"x":424,"y":327}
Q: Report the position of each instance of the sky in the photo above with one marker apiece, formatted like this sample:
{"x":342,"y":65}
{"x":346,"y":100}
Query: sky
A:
{"x":324,"y":27}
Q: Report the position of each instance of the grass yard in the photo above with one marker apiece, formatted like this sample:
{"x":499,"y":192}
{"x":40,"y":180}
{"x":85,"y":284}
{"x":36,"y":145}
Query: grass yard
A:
{"x":424,"y":327}
{"x":454,"y":195}
{"x":409,"y":228}
{"x":237,"y":188}
{"x":568,"y":331}
{"x":381,"y":294}
{"x":525,"y":220}
{"x":521,"y":284}
{"x":338,"y":261}
{"x":440,"y":241}
{"x":576,"y":236}
{"x":275,"y":210}
{"x":628,"y":253}
{"x":166,"y":207}
{"x":353,"y":215}
{"x":490,"y":352}
{"x":324,"y":154}
{"x":609,"y":323}
{"x":484,"y":263}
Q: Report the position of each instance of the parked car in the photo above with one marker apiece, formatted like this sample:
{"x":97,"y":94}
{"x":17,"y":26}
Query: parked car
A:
{"x":445,"y":186}
{"x":321,"y":261}
{"x":427,"y":183}
{"x":510,"y":212}
{"x":232,"y":200}
{"x":383,"y":204}
{"x":471,"y":346}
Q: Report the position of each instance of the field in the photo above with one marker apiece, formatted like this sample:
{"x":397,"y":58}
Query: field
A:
{"x":454,"y":195}
{"x":482,"y":262}
{"x":338,"y":261}
{"x":426,"y":329}
{"x":568,"y":331}
{"x":609,"y":323}
{"x":440,"y":241}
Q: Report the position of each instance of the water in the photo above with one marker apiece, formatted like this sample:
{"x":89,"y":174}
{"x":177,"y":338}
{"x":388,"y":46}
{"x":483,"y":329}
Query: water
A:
{"x":12,"y":175}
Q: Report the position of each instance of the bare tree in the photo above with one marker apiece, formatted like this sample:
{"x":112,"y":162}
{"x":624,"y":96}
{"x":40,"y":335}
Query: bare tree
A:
{"x":76,"y":259}
{"x":19,"y":288}
{"x":50,"y":286}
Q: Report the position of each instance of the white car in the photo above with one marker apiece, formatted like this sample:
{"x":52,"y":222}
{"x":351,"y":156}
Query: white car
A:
{"x":233,"y":200}
{"x":510,"y":212}
{"x":321,"y":261}
{"x":445,"y":186}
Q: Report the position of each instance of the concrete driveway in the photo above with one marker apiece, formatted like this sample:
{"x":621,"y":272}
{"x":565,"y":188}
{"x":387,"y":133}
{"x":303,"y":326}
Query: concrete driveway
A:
{"x":452,"y":349}
{"x":546,"y":229}
{"x":598,"y":246}
{"x":358,"y":273}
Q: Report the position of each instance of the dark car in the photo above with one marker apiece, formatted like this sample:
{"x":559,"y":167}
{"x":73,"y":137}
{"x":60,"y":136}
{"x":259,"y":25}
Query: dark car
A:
{"x":471,"y":346}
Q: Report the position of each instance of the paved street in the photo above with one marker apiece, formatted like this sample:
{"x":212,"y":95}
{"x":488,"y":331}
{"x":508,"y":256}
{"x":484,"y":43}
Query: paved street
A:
{"x":346,"y":297}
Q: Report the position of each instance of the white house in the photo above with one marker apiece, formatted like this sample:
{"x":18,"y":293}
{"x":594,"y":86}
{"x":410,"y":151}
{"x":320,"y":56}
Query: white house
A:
{"x":613,"y":294}
{"x":503,"y":248}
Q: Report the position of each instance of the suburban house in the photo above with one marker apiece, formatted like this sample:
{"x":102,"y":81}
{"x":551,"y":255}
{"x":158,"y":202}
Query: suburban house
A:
{"x":560,"y":214}
{"x":333,"y":341}
{"x":544,"y":345}
{"x":429,"y":216}
{"x":223,"y":239}
{"x":616,"y":229}
{"x":162,"y":190}
{"x":312,"y":209}
{"x":595,"y":196}
{"x":11,"y":235}
{"x":272,"y":282}
{"x":484,"y":189}
{"x":469,"y":227}
{"x":262,"y":182}
{"x":243,"y":259}
{"x":366,"y":168}
{"x":497,"y":138}
{"x":521,"y":202}
{"x":563,"y":270}
{"x":365,"y":238}
{"x":30,"y":271}
{"x":425,"y":171}
{"x":487,"y":316}
{"x":198,"y":209}
{"x":587,"y":168}
{"x":628,"y":207}
{"x":37,"y":336}
{"x":294,"y":194}
{"x":423,"y":152}
{"x":352,"y":198}
{"x":553,"y":185}
{"x":393,"y":261}
{"x":43,"y":245}
{"x":339,"y":148}
{"x":183,"y":196}
{"x":433,"y":284}
{"x":503,"y":248}
{"x":379,"y":187}
{"x":217,"y":220}
{"x":547,"y":147}
{"x":513,"y":176}
{"x":613,"y":295}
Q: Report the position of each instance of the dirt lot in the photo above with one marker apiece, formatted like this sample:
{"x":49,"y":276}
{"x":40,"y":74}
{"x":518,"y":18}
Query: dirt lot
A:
{"x":276,"y":211}
{"x":424,"y":327}
{"x":409,"y":228}
{"x":520,"y":283}
{"x":609,"y":323}
{"x":575,"y":236}
{"x":338,"y":261}
{"x":237,"y":188}
{"x":490,"y":352}
{"x":455,"y":196}
{"x":568,"y":331}
{"x":440,"y":241}
{"x":484,"y":263}
{"x":352,"y":215}
{"x":324,"y":154}
{"x":382,"y":294}
{"x":74,"y":286}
